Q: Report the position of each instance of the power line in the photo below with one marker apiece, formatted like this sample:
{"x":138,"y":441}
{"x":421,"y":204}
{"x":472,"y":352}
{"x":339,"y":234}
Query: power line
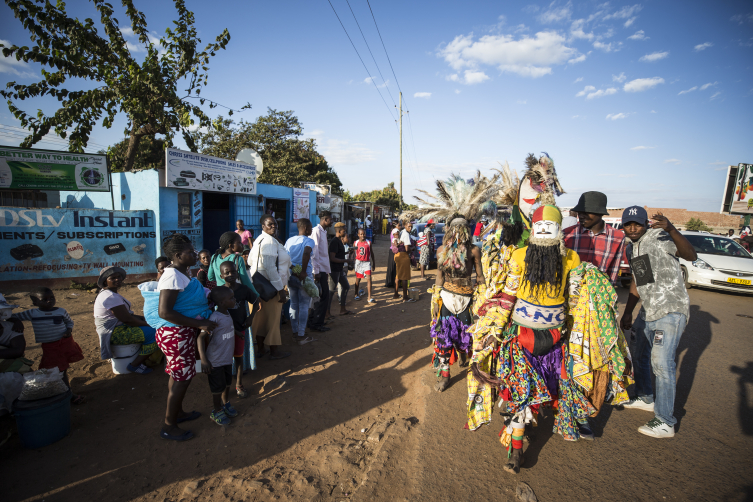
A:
{"x":383,"y":46}
{"x":369,"y":48}
{"x":359,"y":57}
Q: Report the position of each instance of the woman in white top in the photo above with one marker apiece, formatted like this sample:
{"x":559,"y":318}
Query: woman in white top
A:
{"x":270,"y":259}
{"x":116,"y":324}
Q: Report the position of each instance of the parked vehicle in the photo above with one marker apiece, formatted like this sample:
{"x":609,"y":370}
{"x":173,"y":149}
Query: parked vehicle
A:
{"x":722,"y":264}
{"x":438,"y":236}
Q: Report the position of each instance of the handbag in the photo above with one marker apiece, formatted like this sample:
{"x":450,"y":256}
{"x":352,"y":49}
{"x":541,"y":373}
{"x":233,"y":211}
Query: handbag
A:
{"x":261,"y":284}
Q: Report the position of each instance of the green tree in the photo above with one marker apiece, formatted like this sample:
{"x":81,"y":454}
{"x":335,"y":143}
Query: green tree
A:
{"x":149,"y":155}
{"x":388,"y":196}
{"x":276,"y":136}
{"x":146,"y":91}
{"x":697,"y":225}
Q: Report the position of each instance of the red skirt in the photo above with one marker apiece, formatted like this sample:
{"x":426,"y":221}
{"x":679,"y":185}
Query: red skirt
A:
{"x":179,"y":346}
{"x":60,"y":354}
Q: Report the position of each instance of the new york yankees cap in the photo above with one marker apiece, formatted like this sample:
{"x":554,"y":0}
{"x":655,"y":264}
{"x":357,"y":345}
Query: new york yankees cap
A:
{"x":636,"y":214}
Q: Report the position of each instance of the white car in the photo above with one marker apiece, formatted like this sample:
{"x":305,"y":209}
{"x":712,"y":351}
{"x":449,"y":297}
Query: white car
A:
{"x":722,"y":264}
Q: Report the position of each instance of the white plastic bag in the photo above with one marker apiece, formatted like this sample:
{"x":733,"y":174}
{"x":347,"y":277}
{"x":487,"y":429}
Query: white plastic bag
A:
{"x":42,"y":383}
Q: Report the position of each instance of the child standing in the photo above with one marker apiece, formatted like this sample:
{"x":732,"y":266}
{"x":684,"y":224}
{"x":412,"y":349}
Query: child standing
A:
{"x":364,"y":263}
{"x":53,"y":328}
{"x":204,"y":257}
{"x":216,"y":352}
{"x":241,"y":321}
{"x":423,"y":250}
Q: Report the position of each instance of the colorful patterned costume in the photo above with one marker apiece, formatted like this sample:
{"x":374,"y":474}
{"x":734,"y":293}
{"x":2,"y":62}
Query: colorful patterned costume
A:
{"x":545,"y":348}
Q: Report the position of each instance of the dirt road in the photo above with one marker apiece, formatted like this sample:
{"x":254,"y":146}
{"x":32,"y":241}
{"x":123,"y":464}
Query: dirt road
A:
{"x":357,"y":420}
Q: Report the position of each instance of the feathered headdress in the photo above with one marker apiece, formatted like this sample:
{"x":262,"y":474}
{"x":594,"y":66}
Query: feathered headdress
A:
{"x":507,"y":189}
{"x":538,"y":186}
{"x":457,"y":197}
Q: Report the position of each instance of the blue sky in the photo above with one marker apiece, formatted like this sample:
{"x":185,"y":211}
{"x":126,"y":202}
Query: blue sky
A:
{"x":647,"y":102}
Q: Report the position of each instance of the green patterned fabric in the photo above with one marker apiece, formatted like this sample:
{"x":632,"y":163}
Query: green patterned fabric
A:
{"x":127,"y":335}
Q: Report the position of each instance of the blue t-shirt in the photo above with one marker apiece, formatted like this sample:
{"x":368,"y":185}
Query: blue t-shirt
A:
{"x":295,"y":247}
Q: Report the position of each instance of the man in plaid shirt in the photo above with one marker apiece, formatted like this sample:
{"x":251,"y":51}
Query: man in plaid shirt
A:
{"x":593,"y":240}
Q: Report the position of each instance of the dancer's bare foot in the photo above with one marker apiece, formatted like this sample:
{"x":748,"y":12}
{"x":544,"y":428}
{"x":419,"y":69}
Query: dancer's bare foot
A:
{"x":514,"y":462}
{"x":442,"y":384}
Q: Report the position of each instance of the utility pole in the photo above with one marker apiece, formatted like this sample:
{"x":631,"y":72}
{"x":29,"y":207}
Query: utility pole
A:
{"x":401,"y":152}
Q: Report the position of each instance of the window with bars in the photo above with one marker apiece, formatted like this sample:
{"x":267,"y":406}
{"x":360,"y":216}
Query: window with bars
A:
{"x":184,"y":210}
{"x":249,"y":209}
{"x":24,"y":198}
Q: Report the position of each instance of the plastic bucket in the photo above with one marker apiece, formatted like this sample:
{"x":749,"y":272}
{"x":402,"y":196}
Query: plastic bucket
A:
{"x":44,"y":421}
{"x":122,"y":356}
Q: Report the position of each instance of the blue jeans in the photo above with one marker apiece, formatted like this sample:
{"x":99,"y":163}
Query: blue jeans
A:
{"x":299,"y":310}
{"x":656,"y":350}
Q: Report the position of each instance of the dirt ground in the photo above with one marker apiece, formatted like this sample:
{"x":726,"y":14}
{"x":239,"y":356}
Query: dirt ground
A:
{"x":357,"y":420}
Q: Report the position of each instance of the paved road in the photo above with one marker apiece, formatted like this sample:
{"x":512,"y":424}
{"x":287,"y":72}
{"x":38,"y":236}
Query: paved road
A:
{"x":708,"y":459}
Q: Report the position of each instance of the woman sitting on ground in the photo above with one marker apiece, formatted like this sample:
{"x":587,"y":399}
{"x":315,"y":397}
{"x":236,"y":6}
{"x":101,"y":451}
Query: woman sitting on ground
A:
{"x":116,"y":324}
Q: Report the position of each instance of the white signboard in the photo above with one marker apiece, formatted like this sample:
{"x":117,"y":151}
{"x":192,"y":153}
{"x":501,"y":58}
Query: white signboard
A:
{"x":301,"y":204}
{"x":207,"y":173}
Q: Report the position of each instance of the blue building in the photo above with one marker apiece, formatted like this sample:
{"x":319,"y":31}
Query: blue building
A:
{"x":201,"y":215}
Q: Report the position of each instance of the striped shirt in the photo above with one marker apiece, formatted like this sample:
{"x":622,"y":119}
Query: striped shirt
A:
{"x":49,"y":326}
{"x":604,"y":250}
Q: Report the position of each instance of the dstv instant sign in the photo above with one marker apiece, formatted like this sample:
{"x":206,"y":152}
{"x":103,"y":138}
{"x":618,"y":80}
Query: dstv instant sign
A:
{"x":59,"y":243}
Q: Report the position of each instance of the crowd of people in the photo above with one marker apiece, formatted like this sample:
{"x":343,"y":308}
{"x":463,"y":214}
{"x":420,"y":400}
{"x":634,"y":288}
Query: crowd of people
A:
{"x":204,"y":320}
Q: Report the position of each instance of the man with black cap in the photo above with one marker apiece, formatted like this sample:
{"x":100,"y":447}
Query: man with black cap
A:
{"x":658,"y":282}
{"x":593,"y":240}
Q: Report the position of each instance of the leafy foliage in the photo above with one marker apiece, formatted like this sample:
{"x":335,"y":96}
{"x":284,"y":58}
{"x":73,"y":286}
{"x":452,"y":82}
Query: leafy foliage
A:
{"x":276,"y":136}
{"x":697,"y":225}
{"x":149,"y":155}
{"x":146,"y":91}
{"x":387,"y":196}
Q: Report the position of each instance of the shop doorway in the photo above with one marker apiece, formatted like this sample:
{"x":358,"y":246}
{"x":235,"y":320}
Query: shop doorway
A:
{"x":280,"y":209}
{"x":216,"y":219}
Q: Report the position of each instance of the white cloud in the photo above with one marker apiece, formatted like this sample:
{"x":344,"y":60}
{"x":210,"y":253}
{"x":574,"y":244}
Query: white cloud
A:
{"x":672,"y":161}
{"x":703,"y":46}
{"x":610,"y":47}
{"x":653,"y":111}
{"x":642,"y":84}
{"x":426,"y":95}
{"x":642,"y":147}
{"x":602,"y":92}
{"x":619,"y":78}
{"x":706,"y":86}
{"x":742,"y":18}
{"x":579,"y":59}
{"x":616,"y":116}
{"x":654,"y":56}
{"x":521,"y":101}
{"x":368,"y":80}
{"x":11,"y":65}
{"x":527,"y":56}
{"x":638,"y":35}
{"x":624,"y":13}
{"x":590,"y":92}
{"x":576,"y":30}
{"x":384,"y":84}
{"x":715,"y":95}
{"x":556,"y":14}
{"x":474,"y":77}
{"x":694,"y":88}
{"x":630,"y":22}
{"x":457,"y":91}
{"x":579,"y":79}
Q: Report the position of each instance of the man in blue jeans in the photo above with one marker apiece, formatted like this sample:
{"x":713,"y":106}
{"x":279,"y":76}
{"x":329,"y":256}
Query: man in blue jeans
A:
{"x":658,"y":283}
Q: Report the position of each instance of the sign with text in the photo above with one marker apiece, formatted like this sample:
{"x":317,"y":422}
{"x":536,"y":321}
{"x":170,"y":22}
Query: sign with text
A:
{"x":300,"y":204}
{"x":209,"y":174}
{"x":59,"y":243}
{"x":31,"y":169}
{"x":742,"y":198}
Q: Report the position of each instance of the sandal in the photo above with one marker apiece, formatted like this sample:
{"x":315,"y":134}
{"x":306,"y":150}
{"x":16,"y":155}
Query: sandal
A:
{"x":241,"y":391}
{"x":371,"y":300}
{"x":279,"y":355}
{"x":79,"y":399}
{"x":141,"y":369}
{"x":347,"y":312}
